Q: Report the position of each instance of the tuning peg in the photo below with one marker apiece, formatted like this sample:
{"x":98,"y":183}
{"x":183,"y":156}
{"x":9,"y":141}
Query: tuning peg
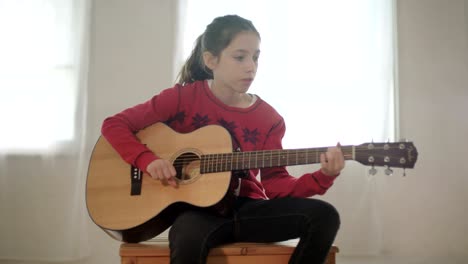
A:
{"x":388,"y":171}
{"x":372,"y":171}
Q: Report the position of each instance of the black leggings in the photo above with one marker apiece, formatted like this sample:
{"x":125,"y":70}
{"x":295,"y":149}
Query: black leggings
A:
{"x":314,"y":221}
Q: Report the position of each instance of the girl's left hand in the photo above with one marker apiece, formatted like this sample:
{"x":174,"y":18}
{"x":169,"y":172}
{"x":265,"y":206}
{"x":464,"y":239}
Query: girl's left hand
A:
{"x":332,"y":161}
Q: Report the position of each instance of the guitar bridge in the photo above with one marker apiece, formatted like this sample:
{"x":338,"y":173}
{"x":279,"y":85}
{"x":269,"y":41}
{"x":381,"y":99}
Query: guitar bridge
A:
{"x":136,"y":177}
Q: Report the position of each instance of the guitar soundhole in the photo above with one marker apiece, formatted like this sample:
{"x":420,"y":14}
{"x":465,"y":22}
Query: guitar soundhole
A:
{"x":187,"y":166}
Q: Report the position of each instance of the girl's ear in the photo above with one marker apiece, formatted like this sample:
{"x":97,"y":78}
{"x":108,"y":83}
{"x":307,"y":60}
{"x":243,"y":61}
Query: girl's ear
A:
{"x":210,"y":60}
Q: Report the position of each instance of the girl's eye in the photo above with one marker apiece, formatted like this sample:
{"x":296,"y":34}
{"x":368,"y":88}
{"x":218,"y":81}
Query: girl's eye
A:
{"x":255,"y":58}
{"x":239,"y":58}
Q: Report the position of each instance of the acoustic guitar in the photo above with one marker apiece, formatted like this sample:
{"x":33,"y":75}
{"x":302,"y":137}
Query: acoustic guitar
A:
{"x":132,"y":207}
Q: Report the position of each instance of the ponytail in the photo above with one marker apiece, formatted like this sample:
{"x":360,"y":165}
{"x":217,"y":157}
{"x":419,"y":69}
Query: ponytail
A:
{"x":194,"y":68}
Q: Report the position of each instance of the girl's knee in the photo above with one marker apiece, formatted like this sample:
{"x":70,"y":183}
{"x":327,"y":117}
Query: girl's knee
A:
{"x":329,"y":215}
{"x":334,"y":217}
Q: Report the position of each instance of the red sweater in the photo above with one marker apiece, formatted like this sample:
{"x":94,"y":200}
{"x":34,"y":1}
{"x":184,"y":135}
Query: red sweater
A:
{"x":189,"y":107}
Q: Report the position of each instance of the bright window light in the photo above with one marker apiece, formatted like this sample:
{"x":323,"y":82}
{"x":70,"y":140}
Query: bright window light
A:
{"x":326,"y":66}
{"x":37,"y":74}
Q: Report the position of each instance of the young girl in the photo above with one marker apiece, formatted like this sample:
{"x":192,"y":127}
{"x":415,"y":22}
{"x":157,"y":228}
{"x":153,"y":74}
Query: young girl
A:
{"x":212,"y":89}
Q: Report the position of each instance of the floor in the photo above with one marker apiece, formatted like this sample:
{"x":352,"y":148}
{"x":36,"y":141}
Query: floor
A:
{"x":399,"y":260}
{"x":339,"y":260}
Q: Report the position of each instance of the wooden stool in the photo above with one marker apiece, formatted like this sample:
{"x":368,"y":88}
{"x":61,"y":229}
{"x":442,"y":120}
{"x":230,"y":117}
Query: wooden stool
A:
{"x":238,"y":253}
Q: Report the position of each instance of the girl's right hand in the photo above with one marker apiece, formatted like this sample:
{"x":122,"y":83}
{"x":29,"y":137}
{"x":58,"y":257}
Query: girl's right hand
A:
{"x":162,"y":170}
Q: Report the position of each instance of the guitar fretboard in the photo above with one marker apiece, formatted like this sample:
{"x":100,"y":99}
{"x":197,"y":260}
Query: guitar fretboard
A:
{"x":265,"y":159}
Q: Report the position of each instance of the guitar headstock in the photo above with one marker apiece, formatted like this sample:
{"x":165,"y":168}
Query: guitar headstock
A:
{"x":396,"y":154}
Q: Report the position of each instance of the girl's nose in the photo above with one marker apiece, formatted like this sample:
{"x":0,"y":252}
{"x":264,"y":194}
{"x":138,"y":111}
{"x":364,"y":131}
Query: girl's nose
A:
{"x":251,"y":65}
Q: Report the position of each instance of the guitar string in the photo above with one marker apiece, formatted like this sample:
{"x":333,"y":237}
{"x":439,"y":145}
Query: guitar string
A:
{"x":279,"y":154}
{"x":292,"y":153}
{"x":221,"y":167}
{"x":301,"y":151}
{"x":214,"y":160}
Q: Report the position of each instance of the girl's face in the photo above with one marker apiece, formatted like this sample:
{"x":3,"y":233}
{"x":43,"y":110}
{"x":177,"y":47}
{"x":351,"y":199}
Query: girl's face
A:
{"x":235,"y":68}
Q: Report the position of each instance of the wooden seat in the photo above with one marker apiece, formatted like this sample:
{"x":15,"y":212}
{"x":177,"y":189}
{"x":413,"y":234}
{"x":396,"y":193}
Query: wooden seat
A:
{"x":238,"y":253}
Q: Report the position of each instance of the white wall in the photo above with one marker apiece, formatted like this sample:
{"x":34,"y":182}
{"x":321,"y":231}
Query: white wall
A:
{"x":131,"y":54}
{"x":425,"y":213}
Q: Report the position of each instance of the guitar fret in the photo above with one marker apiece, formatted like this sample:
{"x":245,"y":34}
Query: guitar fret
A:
{"x":251,"y":158}
{"x":263,"y":159}
{"x":221,"y":163}
{"x":244,"y":159}
{"x":215,"y":162}
{"x":211,"y":162}
{"x":240,"y":162}
{"x":271,"y":158}
{"x":228,"y":161}
{"x":256,"y":160}
{"x":204,"y":165}
{"x":225,"y":160}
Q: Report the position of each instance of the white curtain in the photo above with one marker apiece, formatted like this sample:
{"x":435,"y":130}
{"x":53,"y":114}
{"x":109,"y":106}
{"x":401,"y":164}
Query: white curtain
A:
{"x":43,"y":79}
{"x":327,"y":67}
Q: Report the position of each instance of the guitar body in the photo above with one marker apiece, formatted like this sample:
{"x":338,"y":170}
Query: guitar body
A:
{"x":130,"y":205}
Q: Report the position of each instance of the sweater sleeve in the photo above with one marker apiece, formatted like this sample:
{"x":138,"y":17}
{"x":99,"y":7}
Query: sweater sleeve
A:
{"x":279,"y":183}
{"x":120,"y":129}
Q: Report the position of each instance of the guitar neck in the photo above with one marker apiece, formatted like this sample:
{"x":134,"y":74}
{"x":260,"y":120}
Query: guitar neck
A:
{"x":265,"y":159}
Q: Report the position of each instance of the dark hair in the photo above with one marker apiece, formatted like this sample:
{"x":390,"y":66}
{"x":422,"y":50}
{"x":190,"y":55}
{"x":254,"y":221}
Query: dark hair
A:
{"x":217,"y":36}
